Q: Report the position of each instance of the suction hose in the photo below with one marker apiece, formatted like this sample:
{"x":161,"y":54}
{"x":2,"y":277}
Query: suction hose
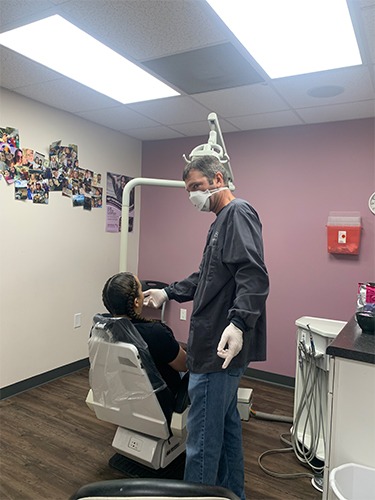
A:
{"x":270,"y":416}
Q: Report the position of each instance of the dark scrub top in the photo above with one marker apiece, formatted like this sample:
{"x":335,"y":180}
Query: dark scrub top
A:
{"x":163,"y":348}
{"x":231,"y":286}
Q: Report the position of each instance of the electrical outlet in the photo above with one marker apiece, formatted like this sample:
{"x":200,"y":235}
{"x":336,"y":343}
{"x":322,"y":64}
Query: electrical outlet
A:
{"x":135,"y":444}
{"x":183,"y":314}
{"x":77,"y":320}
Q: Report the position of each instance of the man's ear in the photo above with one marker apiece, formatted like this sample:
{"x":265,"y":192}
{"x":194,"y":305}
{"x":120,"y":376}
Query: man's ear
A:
{"x":219,"y":179}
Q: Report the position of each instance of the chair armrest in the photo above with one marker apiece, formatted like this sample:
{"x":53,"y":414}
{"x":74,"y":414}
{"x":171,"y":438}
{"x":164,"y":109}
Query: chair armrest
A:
{"x":181,"y":410}
{"x":178,"y":423}
{"x":182,"y":396}
{"x":90,"y":400}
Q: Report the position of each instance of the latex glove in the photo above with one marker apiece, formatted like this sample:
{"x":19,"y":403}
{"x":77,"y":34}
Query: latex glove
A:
{"x":155,"y":297}
{"x":232,"y":338}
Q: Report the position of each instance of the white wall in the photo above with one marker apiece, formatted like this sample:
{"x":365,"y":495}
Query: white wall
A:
{"x":54,"y":259}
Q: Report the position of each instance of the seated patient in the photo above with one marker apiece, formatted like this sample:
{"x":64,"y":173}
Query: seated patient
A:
{"x":123,"y":297}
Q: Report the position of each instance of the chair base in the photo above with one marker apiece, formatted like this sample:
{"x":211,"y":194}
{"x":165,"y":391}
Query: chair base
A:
{"x":150,"y":451}
{"x":244,"y":402}
{"x":131,"y":469}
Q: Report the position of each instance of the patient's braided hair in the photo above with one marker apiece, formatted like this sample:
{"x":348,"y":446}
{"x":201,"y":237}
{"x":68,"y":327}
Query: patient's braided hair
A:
{"x":119,"y":294}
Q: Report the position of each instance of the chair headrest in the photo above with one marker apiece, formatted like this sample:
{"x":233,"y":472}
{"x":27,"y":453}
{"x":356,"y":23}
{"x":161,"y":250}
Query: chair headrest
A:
{"x":151,"y":488}
{"x":147,"y":284}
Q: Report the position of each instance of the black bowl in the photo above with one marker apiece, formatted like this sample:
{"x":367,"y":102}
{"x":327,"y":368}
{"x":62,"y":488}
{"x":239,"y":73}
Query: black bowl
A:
{"x":366,"y":321}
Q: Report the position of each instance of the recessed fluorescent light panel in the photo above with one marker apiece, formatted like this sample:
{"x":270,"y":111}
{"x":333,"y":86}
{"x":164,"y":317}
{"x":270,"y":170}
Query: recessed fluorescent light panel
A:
{"x":292,"y":37}
{"x":61,"y":46}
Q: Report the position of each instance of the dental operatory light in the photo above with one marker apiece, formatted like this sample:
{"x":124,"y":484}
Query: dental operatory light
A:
{"x":215,"y":146}
{"x":62,"y":47}
{"x":292,"y":37}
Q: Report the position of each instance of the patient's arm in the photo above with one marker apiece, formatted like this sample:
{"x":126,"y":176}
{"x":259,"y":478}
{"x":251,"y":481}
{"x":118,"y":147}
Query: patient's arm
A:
{"x":179,"y":362}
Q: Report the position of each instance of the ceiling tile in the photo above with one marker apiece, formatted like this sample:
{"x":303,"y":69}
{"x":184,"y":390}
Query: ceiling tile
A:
{"x":192,"y":129}
{"x":201,"y":128}
{"x":118,"y":118}
{"x":368,"y":18}
{"x":152,"y":133}
{"x":250,"y":99}
{"x":67,"y":94}
{"x":145,"y":29}
{"x":171,"y":110}
{"x":18,"y":71}
{"x":338,"y":112}
{"x":13,"y":11}
{"x":356,"y":82}
{"x":267,"y":120}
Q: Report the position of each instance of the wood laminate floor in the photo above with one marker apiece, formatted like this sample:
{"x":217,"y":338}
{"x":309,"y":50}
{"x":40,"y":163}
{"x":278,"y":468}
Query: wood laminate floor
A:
{"x":51,"y":444}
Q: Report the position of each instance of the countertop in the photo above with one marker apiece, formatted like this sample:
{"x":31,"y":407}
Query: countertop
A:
{"x":351,"y":343}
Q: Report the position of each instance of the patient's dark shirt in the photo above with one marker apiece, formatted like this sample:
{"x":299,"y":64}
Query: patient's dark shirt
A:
{"x":163,"y":348}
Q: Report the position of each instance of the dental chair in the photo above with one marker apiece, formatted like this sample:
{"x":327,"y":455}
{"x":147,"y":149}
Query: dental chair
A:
{"x":128,"y":391}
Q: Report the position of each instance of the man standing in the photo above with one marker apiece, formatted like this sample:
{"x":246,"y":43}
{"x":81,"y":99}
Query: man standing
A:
{"x":228,"y":322}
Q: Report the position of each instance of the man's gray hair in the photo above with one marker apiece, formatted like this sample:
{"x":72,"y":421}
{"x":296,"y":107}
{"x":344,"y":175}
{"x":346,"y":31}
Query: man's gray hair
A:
{"x":209,"y":166}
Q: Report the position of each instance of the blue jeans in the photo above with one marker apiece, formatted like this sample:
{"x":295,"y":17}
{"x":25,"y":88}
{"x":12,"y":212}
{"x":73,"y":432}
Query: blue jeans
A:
{"x":214,"y":453}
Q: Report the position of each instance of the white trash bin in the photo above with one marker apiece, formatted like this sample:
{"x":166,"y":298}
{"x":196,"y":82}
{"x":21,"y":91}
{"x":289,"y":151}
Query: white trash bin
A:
{"x":353,"y":482}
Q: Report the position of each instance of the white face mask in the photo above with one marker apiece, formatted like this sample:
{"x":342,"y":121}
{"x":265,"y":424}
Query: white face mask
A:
{"x":201,"y":199}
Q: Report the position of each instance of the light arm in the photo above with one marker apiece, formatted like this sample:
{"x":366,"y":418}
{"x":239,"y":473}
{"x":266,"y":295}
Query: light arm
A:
{"x":214,"y":147}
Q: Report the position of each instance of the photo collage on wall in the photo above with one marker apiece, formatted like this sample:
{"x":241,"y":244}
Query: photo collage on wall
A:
{"x":35,"y":175}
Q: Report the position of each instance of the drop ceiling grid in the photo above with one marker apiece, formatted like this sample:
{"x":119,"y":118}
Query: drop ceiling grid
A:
{"x":172,"y":27}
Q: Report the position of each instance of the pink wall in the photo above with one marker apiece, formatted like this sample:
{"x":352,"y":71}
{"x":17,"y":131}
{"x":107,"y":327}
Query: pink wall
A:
{"x":293,"y":176}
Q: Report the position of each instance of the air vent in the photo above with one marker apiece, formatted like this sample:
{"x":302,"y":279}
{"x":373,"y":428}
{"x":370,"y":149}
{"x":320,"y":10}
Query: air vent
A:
{"x":205,"y":70}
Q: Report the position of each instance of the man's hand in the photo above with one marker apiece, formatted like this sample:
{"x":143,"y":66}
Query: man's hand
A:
{"x":155,"y":297}
{"x":232,"y":338}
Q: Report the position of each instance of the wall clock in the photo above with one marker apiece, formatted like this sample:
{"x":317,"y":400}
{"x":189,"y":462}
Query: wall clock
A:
{"x":371,"y":203}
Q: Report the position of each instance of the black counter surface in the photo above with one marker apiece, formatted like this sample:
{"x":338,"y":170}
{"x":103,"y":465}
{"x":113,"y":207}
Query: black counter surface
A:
{"x":352,"y":343}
